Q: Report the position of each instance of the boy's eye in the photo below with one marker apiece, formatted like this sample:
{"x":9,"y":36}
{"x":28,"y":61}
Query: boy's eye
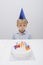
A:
{"x":20,"y":25}
{"x":23,"y":25}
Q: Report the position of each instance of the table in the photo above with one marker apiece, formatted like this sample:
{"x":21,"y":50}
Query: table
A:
{"x":35,"y":44}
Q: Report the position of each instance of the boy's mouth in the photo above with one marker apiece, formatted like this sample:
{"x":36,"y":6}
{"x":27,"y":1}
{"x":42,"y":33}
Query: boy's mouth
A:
{"x":22,"y":31}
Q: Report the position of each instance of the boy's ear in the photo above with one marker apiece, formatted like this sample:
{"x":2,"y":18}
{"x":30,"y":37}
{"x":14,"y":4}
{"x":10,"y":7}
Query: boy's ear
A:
{"x":26,"y":21}
{"x":17,"y":23}
{"x":17,"y":20}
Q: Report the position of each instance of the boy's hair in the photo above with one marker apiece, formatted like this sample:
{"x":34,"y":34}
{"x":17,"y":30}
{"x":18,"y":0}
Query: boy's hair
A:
{"x":25,"y":20}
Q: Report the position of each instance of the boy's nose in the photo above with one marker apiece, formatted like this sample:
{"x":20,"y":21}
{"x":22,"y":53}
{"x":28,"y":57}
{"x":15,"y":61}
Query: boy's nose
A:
{"x":22,"y":25}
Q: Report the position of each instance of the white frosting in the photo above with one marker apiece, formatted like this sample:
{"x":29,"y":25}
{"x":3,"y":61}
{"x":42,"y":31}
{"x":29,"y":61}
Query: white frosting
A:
{"x":20,"y":52}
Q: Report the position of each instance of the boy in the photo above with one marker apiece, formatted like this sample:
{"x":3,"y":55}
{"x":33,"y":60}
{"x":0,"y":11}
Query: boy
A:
{"x":22,"y":25}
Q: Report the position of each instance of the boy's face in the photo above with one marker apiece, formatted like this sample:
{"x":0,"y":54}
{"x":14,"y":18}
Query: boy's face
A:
{"x":22,"y":25}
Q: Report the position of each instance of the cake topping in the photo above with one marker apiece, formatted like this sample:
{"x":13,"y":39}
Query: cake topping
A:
{"x":22,"y":44}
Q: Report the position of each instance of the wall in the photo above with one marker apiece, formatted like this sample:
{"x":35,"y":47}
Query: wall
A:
{"x":9,"y":13}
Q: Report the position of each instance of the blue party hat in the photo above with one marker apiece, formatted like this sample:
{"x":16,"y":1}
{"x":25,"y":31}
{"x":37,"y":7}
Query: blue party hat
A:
{"x":22,"y":15}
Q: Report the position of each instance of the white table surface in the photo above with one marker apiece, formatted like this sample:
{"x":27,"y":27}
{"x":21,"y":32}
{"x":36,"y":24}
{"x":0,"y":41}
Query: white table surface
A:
{"x":36,"y":46}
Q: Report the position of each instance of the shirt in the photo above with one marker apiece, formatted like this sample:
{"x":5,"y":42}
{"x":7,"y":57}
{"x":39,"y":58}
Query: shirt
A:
{"x":24,"y":35}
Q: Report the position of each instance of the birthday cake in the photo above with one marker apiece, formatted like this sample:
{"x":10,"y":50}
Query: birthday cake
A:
{"x":21,"y":50}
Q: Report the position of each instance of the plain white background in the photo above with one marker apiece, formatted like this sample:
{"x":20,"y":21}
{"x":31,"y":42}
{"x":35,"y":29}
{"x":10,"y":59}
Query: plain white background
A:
{"x":5,"y":52}
{"x":9,"y":13}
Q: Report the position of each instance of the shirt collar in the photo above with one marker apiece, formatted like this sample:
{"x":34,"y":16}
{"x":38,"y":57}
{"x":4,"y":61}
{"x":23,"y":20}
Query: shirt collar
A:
{"x":22,"y":33}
